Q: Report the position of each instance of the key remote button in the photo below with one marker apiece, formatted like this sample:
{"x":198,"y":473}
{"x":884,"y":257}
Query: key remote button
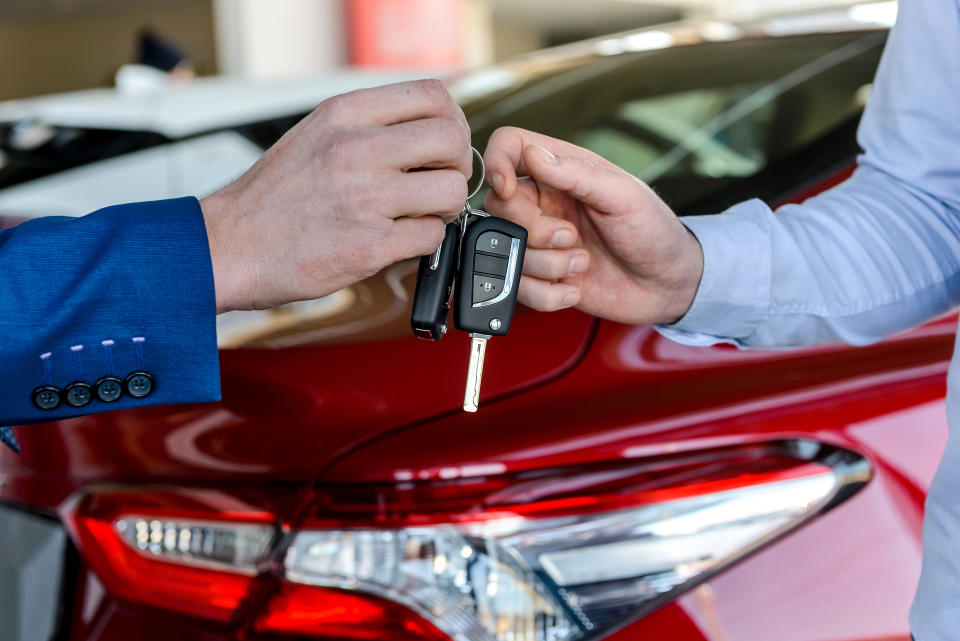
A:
{"x":486,"y":288}
{"x":494,"y":243}
{"x":493,"y":265}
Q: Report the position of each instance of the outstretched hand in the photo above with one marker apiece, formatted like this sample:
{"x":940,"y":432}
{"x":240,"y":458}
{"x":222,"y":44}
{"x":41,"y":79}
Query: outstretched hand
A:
{"x":367,"y":179}
{"x":599,"y":239}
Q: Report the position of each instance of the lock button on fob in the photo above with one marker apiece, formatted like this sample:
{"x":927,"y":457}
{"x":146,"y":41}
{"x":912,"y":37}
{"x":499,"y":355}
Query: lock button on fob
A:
{"x":486,"y":288}
{"x":494,"y":242}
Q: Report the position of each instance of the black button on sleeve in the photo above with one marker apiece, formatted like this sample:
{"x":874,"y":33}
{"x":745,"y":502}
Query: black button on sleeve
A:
{"x":109,"y":389}
{"x":47,"y":397}
{"x":139,"y":384}
{"x":78,"y":394}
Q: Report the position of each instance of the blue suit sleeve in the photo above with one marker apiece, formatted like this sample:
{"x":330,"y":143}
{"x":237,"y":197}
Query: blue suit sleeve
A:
{"x":125,"y":289}
{"x":879,"y":253}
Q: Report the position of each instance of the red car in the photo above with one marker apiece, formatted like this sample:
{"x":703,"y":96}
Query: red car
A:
{"x":613,"y":484}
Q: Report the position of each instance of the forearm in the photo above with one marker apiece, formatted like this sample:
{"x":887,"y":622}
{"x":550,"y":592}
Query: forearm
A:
{"x":862,"y":261}
{"x":75,"y":293}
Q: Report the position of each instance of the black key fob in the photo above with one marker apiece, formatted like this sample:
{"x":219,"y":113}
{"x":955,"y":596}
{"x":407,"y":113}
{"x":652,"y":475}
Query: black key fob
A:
{"x":431,"y":298}
{"x":491,"y":260}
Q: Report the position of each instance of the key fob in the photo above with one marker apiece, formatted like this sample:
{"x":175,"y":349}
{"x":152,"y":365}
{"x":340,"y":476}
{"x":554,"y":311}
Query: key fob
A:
{"x":491,"y":260}
{"x":431,"y":297}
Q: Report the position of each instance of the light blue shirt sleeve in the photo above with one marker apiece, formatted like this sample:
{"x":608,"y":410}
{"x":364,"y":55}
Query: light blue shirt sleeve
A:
{"x":875,"y":255}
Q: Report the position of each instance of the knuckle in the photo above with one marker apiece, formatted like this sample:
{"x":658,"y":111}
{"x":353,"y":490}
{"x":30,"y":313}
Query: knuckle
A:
{"x":451,"y":136}
{"x":460,"y":135}
{"x":503,"y":133}
{"x":434,"y":90}
{"x":456,"y":188}
{"x":333,"y":108}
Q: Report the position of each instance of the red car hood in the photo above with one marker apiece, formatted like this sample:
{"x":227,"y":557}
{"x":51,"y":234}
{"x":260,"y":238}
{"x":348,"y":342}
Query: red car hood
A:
{"x":342,"y":378}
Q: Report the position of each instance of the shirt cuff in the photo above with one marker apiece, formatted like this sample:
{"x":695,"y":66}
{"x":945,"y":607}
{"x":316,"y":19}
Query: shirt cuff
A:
{"x":734,"y":293}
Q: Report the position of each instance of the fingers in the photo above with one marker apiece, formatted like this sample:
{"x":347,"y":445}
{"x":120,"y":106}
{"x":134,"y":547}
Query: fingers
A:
{"x":505,"y":160}
{"x":545,"y":296}
{"x":411,"y":237}
{"x":543,"y":230}
{"x":607,"y":189}
{"x":400,"y":102}
{"x":434,"y":192}
{"x":427,"y":143}
{"x":553,"y":264}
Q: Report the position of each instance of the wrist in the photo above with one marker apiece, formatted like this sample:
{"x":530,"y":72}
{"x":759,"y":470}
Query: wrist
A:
{"x":227,"y":280}
{"x":684,"y":280}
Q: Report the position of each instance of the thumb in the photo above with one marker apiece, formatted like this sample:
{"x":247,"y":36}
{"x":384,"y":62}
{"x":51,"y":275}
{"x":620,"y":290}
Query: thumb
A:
{"x":608,"y":190}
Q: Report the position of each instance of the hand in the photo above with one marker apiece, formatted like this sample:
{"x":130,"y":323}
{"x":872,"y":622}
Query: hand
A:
{"x":336,"y":198}
{"x":598,"y":238}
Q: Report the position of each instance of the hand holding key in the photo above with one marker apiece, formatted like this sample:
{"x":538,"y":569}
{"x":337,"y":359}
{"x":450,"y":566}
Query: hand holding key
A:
{"x":335,"y":199}
{"x":600,"y":239}
{"x":480,"y":260}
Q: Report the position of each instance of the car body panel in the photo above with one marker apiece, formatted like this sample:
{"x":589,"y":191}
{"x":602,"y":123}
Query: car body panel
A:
{"x":636,"y":393}
{"x":322,"y":409}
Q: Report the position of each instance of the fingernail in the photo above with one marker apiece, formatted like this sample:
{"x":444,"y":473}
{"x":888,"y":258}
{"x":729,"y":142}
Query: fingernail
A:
{"x":570,"y":298}
{"x":578,"y":265}
{"x":550,"y":158}
{"x":562,"y":239}
{"x":496,"y":181}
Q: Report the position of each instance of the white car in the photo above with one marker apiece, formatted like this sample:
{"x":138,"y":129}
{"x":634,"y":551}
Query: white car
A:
{"x":72,"y":153}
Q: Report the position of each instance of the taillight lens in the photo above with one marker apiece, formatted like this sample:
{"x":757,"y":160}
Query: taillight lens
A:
{"x":566,"y":574}
{"x":181,"y":551}
{"x":543,"y":555}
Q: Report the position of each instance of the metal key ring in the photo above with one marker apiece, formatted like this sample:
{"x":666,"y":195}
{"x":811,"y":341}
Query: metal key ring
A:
{"x":483,"y":174}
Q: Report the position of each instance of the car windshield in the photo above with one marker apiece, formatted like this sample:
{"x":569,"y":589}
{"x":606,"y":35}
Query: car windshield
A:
{"x":699,"y":120}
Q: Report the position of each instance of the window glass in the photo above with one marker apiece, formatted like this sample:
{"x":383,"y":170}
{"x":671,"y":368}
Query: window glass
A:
{"x":704,"y":120}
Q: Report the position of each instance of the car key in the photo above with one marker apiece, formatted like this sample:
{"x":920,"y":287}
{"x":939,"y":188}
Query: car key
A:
{"x":431,"y":297}
{"x":436,"y":273}
{"x":491,"y":260}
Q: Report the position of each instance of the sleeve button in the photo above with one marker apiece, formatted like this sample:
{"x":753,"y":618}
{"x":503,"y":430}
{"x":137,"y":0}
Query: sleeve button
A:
{"x":109,"y":389}
{"x":46,"y":397}
{"x":78,"y":394}
{"x":139,"y":384}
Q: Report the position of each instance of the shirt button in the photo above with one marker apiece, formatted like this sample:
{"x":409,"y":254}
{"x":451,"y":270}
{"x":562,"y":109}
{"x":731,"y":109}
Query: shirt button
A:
{"x":109,"y":389}
{"x":46,"y":397}
{"x":139,"y":384}
{"x":78,"y":394}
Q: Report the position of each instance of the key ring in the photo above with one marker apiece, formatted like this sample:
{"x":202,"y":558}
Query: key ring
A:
{"x":483,"y":174}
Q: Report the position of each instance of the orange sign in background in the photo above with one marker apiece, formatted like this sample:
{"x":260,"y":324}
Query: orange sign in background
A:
{"x":407,"y":33}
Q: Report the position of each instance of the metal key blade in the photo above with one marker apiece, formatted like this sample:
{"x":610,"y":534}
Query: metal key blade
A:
{"x":478,"y":348}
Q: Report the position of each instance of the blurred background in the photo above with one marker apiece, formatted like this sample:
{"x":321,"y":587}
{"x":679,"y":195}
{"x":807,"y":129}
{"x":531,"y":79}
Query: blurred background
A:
{"x":49,"y":46}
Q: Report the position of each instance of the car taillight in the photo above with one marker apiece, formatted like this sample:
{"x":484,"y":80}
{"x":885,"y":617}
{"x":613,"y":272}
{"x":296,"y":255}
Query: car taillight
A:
{"x":563,"y":554}
{"x":548,"y":554}
{"x":182,"y":551}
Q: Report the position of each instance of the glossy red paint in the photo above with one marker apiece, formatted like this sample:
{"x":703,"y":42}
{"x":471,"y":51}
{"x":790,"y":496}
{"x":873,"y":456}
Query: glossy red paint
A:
{"x":638,"y":394}
{"x":287,"y":412}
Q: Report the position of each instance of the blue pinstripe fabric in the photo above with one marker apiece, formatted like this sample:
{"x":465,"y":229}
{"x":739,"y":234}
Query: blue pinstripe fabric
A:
{"x":138,"y":270}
